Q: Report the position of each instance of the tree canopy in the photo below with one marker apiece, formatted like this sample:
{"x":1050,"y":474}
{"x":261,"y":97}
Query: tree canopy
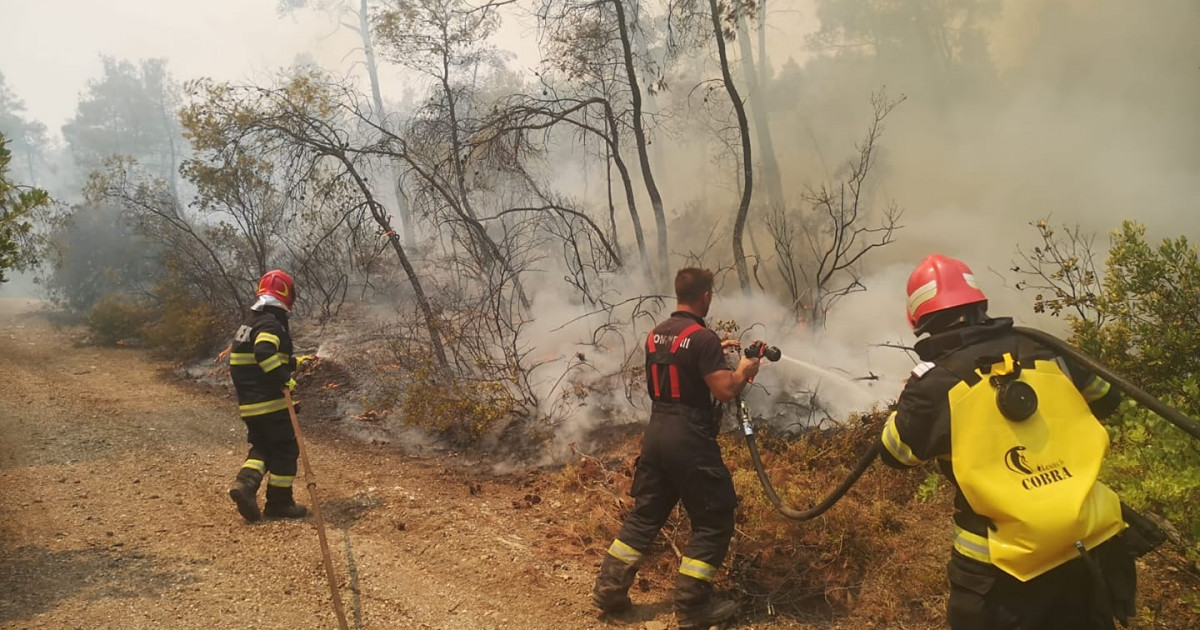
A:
{"x":18,"y":204}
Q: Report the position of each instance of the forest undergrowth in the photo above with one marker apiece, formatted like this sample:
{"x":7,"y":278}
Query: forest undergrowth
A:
{"x":876,"y":559}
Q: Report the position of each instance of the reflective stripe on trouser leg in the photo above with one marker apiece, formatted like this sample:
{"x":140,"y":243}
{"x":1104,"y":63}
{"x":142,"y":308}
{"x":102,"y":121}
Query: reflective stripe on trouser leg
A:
{"x":256,"y":465}
{"x":623,"y":552}
{"x":698,"y":569}
{"x":281,"y":481}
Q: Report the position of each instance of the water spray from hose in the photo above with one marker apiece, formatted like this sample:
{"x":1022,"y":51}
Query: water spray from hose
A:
{"x":771,"y":353}
{"x":1172,"y":415}
{"x":826,"y":373}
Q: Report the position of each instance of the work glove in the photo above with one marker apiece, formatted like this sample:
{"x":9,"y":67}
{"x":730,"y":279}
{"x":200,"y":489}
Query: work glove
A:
{"x":304,"y":361}
{"x":290,"y":384}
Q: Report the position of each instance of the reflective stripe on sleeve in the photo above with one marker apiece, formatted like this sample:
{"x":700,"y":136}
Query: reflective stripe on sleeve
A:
{"x":896,"y":446}
{"x":623,"y":552}
{"x":258,"y":409}
{"x":272,"y":362}
{"x":281,"y":481}
{"x":698,"y":569}
{"x":267,"y":337}
{"x":971,"y":545}
{"x":1096,"y":389}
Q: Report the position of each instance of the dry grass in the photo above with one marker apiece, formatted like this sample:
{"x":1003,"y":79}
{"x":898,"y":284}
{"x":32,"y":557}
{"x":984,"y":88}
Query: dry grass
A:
{"x":875,"y":560}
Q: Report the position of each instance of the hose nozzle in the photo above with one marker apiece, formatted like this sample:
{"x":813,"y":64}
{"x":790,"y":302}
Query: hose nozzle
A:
{"x":760,"y":349}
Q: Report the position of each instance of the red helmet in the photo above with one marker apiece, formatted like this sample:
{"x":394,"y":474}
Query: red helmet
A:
{"x":277,"y":284}
{"x":939,"y":283}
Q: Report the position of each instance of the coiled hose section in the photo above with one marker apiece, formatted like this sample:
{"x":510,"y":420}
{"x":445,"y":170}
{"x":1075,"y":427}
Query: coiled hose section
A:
{"x":1168,"y":413}
{"x":801,"y":515}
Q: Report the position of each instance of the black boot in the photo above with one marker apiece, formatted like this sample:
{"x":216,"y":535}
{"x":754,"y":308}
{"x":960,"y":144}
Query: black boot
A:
{"x":280,"y":504}
{"x":695,"y":606}
{"x":611,"y":593}
{"x":244,"y":493}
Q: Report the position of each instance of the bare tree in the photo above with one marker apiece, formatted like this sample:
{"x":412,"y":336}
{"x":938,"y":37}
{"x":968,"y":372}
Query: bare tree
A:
{"x":639,"y":134}
{"x":1063,"y":272}
{"x":447,"y":41}
{"x":525,"y":115}
{"x":818,"y":256}
{"x":756,"y":85}
{"x":592,"y":43}
{"x":238,"y":189}
{"x":355,"y":15}
{"x":239,"y":226}
{"x":154,"y":210}
{"x":720,"y":33}
{"x":302,"y":121}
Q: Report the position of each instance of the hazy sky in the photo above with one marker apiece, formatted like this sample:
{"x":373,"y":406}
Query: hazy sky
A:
{"x":49,"y":49}
{"x":1113,"y":144}
{"x":1115,"y":137}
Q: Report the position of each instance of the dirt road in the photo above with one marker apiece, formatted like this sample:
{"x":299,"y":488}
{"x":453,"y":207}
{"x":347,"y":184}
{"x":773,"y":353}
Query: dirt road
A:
{"x":114,"y":514}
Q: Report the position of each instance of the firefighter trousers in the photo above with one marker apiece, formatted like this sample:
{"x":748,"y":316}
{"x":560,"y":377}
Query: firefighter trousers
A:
{"x":273,"y":442}
{"x":1069,"y":597}
{"x":681,"y":461}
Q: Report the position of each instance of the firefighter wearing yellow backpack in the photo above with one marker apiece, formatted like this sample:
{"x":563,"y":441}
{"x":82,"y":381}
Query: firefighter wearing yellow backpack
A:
{"x":1037,"y":539}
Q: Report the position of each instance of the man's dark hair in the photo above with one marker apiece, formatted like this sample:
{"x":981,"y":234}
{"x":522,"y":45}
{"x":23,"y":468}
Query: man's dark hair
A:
{"x":691,"y":283}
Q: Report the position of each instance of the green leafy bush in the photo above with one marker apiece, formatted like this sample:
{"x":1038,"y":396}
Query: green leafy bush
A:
{"x":170,"y":320}
{"x":459,"y":409}
{"x":1141,"y":318}
{"x":17,"y":205}
{"x":116,"y":319}
{"x":184,"y":327}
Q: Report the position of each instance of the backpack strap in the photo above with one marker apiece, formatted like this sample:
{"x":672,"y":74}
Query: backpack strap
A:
{"x":672,"y":371}
{"x":650,"y":351}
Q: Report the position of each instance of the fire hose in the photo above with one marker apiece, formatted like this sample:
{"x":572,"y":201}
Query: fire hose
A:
{"x":1168,"y":413}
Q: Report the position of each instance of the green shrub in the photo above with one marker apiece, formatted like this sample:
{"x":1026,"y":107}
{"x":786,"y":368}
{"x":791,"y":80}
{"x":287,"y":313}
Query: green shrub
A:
{"x":461,"y":410}
{"x":116,"y":319}
{"x":928,"y":489}
{"x":184,"y":327}
{"x":1155,"y":468}
{"x":175,"y":324}
{"x":1140,"y":317}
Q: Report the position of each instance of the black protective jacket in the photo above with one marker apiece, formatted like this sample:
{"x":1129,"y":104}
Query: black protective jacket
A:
{"x":922,"y":417}
{"x":261,"y":362}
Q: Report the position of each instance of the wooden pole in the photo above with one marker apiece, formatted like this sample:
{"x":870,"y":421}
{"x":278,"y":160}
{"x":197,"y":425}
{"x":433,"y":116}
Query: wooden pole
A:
{"x":310,"y":482}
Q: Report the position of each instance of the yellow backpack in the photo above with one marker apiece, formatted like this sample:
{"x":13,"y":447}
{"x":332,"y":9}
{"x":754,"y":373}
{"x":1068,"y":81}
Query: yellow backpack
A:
{"x":1035,"y":479}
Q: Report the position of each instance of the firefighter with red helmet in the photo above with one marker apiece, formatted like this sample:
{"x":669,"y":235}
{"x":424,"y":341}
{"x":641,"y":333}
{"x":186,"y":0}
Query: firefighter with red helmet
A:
{"x":261,"y":365}
{"x":1038,"y":541}
{"x":680,"y":459}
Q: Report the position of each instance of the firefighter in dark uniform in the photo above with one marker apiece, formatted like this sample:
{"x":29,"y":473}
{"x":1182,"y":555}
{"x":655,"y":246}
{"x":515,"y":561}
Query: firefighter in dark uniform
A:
{"x":680,"y":459}
{"x":1038,"y":543}
{"x":261,"y":365}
